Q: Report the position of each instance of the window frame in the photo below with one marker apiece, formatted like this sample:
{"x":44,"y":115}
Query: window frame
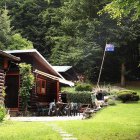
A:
{"x":39,"y":88}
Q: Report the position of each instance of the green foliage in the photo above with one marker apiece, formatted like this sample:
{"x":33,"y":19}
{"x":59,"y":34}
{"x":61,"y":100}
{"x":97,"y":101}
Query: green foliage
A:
{"x":27,"y":20}
{"x":83,"y":87}
{"x":27,"y":83}
{"x":65,"y":53}
{"x":79,"y":97}
{"x":8,"y":39}
{"x":120,"y":9}
{"x":114,"y":91}
{"x":128,"y":95}
{"x":70,"y":32}
{"x":111,"y":102}
{"x":126,"y":91}
{"x":19,"y":43}
{"x":3,"y":91}
{"x":68,"y":89}
{"x":2,"y":113}
{"x":5,"y":29}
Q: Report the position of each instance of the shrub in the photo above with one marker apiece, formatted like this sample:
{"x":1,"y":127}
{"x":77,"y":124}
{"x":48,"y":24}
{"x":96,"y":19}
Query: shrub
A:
{"x":114,"y":91}
{"x":126,"y":91}
{"x":79,"y":97}
{"x":111,"y":102}
{"x":128,"y":95}
{"x":2,"y":113}
{"x":83,"y":87}
{"x":27,"y":84}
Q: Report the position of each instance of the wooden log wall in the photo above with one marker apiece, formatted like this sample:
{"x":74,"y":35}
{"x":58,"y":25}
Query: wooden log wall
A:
{"x":2,"y":81}
{"x":34,"y":96}
{"x":19,"y":97}
{"x":51,"y":93}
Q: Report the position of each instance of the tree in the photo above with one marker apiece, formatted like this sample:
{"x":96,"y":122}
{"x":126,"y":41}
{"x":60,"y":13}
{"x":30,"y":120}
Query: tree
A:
{"x":70,"y":32}
{"x":122,"y":35}
{"x":9,"y":40}
{"x":18,"y":43}
{"x":27,"y":20}
{"x":73,"y":35}
{"x":5,"y":29}
{"x":119,"y":9}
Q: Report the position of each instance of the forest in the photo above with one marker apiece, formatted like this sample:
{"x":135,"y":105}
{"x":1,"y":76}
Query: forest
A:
{"x":75,"y":32}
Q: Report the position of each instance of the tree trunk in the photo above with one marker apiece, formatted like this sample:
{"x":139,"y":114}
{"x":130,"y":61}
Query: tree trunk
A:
{"x":123,"y":74}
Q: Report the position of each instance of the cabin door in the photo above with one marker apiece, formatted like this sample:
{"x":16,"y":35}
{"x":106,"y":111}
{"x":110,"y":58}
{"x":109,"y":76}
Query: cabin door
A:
{"x":12,"y":89}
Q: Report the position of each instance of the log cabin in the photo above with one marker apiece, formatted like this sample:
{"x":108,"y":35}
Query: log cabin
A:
{"x":67,"y":72}
{"x":5,"y":62}
{"x":47,"y":80}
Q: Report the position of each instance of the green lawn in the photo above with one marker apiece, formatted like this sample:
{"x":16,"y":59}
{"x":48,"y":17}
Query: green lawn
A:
{"x":27,"y":131}
{"x":121,"y":122}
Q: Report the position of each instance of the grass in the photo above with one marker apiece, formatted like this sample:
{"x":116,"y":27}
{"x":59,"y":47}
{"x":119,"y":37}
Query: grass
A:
{"x":27,"y":131}
{"x":121,"y":122}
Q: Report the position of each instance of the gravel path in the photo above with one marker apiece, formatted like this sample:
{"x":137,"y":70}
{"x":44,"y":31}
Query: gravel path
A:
{"x":46,"y":119}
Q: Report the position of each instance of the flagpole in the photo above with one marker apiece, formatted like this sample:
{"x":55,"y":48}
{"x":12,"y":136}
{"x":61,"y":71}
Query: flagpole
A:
{"x":101,"y":68}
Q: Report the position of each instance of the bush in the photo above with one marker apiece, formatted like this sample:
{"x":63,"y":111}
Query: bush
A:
{"x":111,"y":102}
{"x":83,"y":87}
{"x":79,"y":97}
{"x":114,"y":91}
{"x":128,"y":95}
{"x":126,"y":91}
{"x":2,"y":113}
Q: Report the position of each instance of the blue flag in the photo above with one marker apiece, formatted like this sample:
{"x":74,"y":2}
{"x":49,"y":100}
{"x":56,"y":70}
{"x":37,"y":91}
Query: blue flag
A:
{"x":109,"y":48}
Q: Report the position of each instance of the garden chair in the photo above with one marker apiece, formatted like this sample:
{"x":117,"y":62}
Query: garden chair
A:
{"x":41,"y":110}
{"x":74,"y":108}
{"x":52,"y":109}
{"x":67,"y":109}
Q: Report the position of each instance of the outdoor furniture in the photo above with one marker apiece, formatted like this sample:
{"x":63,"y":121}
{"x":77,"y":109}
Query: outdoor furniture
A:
{"x":61,"y":108}
{"x":74,"y":109}
{"x":67,"y":109}
{"x":42,"y":108}
{"x":52,"y":109}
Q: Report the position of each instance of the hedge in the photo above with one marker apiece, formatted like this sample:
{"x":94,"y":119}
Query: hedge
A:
{"x":128,"y":95}
{"x":79,"y":97}
{"x":83,"y":87}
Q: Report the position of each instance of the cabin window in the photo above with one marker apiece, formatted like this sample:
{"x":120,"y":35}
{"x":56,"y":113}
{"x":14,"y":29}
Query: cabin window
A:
{"x":41,"y":86}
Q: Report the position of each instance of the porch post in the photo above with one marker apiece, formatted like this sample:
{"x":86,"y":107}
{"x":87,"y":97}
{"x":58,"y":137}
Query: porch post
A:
{"x":57,"y":86}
